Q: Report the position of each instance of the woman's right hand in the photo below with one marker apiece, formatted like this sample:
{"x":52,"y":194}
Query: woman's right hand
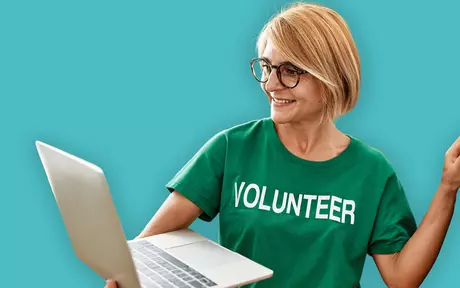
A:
{"x":111,"y":284}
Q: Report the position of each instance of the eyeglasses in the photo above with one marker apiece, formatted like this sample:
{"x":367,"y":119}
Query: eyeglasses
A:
{"x":288,"y":74}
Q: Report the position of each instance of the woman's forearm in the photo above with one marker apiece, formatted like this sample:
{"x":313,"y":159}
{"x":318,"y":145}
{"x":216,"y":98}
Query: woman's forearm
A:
{"x":419,"y":254}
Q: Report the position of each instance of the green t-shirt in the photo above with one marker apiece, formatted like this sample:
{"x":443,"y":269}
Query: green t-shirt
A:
{"x":312,"y":223}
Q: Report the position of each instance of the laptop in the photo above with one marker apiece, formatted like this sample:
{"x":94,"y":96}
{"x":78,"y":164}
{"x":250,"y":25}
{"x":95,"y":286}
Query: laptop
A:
{"x":177,"y":259}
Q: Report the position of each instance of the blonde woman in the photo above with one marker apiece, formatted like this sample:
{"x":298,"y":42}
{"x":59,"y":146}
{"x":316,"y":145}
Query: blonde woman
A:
{"x":296,"y":194}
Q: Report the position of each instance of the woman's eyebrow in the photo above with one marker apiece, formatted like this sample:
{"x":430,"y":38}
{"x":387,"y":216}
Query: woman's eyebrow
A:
{"x":266,"y":58}
{"x":284,"y":62}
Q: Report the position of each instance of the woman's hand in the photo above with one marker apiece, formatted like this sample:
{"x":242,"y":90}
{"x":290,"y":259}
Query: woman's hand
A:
{"x":451,"y":172}
{"x":111,"y":284}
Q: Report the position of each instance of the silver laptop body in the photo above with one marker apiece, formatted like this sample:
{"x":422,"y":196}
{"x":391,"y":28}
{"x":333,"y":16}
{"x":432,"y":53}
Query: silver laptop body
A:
{"x":181,"y":258}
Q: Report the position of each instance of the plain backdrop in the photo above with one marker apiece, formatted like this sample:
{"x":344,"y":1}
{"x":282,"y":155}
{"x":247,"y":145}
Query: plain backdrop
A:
{"x":137,"y":87}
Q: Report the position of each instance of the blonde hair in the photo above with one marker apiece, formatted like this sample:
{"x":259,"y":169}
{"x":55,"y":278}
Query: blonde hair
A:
{"x":317,"y":39}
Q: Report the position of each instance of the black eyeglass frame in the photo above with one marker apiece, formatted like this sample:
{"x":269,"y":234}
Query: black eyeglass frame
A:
{"x":278,"y":71}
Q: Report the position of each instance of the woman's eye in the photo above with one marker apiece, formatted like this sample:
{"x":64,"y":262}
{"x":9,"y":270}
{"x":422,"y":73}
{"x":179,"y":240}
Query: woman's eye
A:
{"x":290,"y":71}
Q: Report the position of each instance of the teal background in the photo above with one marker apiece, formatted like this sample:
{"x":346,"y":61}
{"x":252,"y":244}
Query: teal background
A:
{"x":138,"y":86}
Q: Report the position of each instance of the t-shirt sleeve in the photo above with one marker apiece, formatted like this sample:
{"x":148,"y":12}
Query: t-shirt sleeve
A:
{"x":394,"y":223}
{"x":200,"y":179}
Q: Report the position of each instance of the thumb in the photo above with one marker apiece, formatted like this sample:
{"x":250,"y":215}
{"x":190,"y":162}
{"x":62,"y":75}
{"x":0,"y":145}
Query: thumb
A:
{"x":453,"y":153}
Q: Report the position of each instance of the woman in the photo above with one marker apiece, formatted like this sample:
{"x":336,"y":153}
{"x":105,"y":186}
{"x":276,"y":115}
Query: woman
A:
{"x":296,"y":194}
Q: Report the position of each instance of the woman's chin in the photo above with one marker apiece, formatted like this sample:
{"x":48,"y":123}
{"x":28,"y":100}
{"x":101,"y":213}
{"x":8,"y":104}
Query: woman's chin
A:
{"x":281,"y":117}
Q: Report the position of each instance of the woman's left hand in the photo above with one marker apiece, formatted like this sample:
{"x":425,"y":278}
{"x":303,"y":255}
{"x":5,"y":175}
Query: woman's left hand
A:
{"x":451,"y":172}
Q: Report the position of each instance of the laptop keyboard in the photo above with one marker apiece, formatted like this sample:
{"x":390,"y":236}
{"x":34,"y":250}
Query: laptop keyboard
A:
{"x":156,"y":268}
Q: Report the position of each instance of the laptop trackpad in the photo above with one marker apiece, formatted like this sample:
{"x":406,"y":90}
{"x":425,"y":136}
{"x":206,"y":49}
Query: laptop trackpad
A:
{"x":204,"y":255}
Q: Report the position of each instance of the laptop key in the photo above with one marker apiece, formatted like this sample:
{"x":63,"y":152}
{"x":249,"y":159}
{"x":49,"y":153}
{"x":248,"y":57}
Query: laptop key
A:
{"x":186,"y":278}
{"x":196,"y":284}
{"x":150,"y":246}
{"x":177,"y":282}
{"x":152,"y":256}
{"x":163,"y":272}
{"x":169,"y":266}
{"x":169,"y":277}
{"x":163,"y":283}
{"x":157,"y":269}
{"x":189,"y":270}
{"x":181,"y":274}
{"x":173,"y":271}
{"x":173,"y":260}
{"x":207,"y":282}
{"x":151,"y":265}
{"x":195,"y":274}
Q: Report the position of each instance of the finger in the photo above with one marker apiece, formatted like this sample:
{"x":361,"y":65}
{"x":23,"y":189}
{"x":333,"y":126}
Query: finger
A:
{"x":111,"y":284}
{"x":453,"y":152}
{"x":457,"y":163}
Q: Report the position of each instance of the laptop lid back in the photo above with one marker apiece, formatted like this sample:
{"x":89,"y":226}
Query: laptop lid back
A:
{"x":83,"y":198}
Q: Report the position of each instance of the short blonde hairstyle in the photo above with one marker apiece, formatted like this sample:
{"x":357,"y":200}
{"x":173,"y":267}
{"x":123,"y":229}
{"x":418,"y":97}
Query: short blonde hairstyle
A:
{"x":318,"y":40}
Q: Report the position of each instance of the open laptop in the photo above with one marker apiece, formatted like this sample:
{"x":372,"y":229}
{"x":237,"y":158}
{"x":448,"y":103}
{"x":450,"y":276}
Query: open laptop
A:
{"x":181,"y":258}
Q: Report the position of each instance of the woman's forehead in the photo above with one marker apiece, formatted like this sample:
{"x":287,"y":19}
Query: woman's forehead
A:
{"x":272,"y":54}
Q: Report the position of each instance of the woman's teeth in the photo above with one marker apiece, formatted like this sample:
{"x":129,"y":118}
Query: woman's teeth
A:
{"x":283,"y":101}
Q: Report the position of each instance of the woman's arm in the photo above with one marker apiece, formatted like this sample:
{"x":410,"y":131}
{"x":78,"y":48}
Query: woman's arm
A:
{"x":176,"y":213}
{"x":410,"y":266}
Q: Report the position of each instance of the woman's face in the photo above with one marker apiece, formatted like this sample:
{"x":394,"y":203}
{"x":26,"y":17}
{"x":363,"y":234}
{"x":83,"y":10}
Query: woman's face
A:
{"x":305,"y":102}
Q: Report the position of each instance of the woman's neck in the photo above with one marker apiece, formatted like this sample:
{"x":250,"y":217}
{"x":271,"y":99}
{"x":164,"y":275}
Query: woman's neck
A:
{"x":311,"y":141}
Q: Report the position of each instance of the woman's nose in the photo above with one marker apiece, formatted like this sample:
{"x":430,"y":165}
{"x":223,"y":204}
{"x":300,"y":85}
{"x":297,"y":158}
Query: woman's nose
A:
{"x":273,"y":82}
